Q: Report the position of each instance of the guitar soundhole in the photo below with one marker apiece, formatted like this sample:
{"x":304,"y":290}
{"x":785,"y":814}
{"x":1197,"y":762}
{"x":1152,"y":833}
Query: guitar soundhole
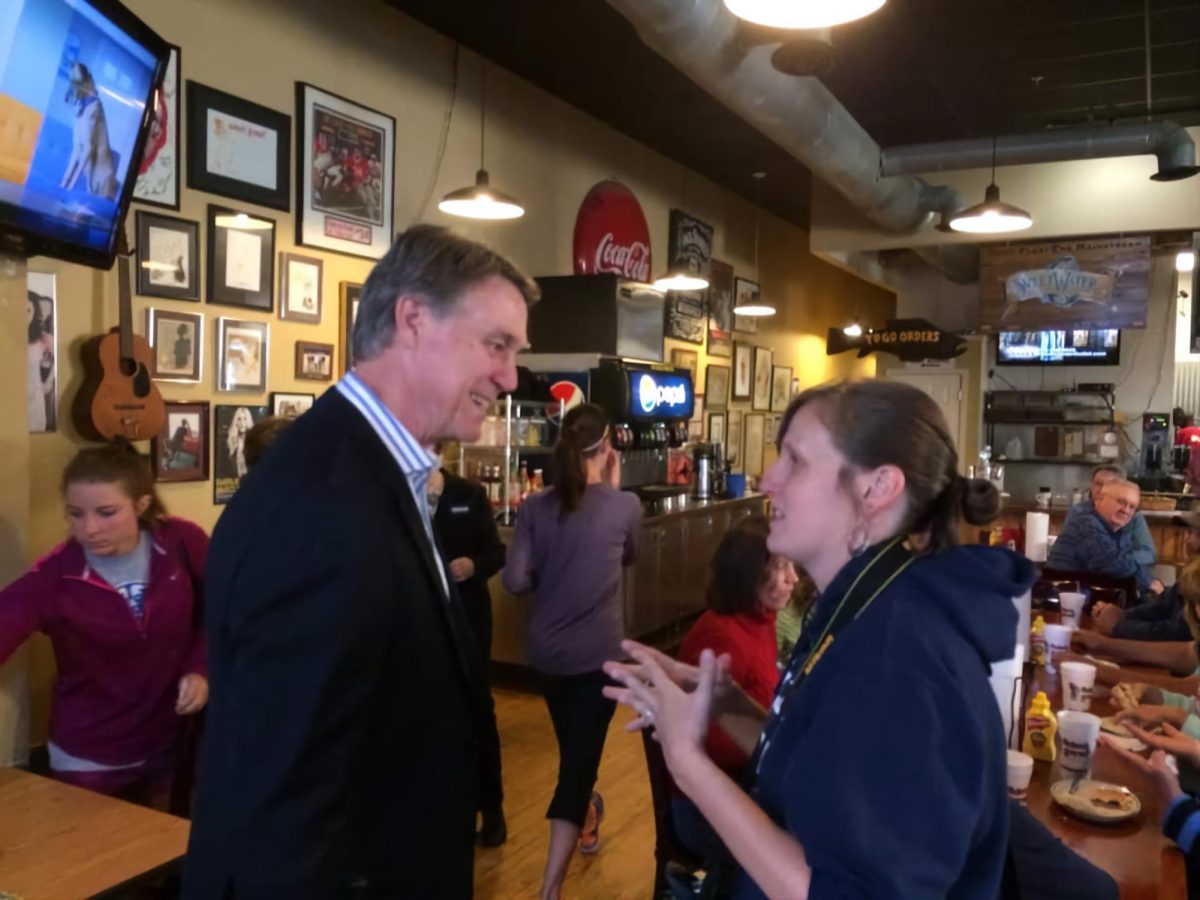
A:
{"x":141,"y":381}
{"x":129,"y":367}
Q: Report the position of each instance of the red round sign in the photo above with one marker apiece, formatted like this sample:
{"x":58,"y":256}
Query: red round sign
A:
{"x":611,"y":234}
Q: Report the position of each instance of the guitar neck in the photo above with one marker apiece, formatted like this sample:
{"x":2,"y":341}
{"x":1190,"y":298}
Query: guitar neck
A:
{"x":124,"y":308}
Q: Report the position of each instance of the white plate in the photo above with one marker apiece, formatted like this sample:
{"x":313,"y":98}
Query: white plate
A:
{"x":1083,"y":802}
{"x":1132,"y":744}
{"x":1109,"y":725}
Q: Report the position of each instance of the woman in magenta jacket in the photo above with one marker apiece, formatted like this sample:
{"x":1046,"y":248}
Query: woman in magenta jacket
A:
{"x":119,"y":601}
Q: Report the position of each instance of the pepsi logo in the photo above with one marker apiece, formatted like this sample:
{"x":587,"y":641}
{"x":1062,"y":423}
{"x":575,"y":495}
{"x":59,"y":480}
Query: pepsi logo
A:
{"x":569,"y":394}
{"x":652,"y":395}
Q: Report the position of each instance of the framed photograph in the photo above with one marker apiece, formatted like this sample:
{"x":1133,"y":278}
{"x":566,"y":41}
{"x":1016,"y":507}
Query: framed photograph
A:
{"x":168,"y":257}
{"x":743,"y":370}
{"x":41,"y":384}
{"x":720,"y":309}
{"x":238,"y":149}
{"x":687,"y":359}
{"x":762,"y":380}
{"x":180,"y":452}
{"x":291,"y":405}
{"x":689,"y":243}
{"x":314,"y":362}
{"x":772,"y":430}
{"x":716,"y":386}
{"x":696,"y":422}
{"x":716,"y":428}
{"x":745,"y":292}
{"x":349,"y":295}
{"x":345,"y":174}
{"x":242,"y":355}
{"x":733,"y":440}
{"x":229,"y":447}
{"x":300,"y":288}
{"x":241,"y":259}
{"x":781,"y":388}
{"x":177,"y":339}
{"x":752,"y":444}
{"x":158,"y":175}
{"x":684,"y":311}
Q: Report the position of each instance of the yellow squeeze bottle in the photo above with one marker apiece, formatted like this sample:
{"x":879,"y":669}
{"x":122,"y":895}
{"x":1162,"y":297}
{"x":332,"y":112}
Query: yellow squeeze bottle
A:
{"x":1037,"y":642}
{"x":1040,"y":726}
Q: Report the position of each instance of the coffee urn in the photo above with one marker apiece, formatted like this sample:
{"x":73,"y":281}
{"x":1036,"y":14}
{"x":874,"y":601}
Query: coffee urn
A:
{"x":706,"y":463}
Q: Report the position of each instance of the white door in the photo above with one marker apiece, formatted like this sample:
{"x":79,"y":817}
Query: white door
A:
{"x":946,"y":389}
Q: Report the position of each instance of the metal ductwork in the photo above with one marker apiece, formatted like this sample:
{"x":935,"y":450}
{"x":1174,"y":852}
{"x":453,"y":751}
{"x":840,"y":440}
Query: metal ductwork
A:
{"x":1170,"y":143}
{"x":700,"y":38}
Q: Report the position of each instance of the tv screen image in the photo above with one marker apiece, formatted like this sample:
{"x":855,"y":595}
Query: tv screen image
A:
{"x":76,"y":78}
{"x":1076,"y":347}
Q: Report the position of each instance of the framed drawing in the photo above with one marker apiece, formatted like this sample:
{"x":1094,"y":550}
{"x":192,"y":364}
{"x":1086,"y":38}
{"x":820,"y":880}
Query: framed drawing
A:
{"x":716,"y":428}
{"x":743,"y":370}
{"x":720,"y":309}
{"x":238,"y":149}
{"x":314,"y":362}
{"x":696,"y":422}
{"x":168,"y":257}
{"x":230,"y":425}
{"x":241,"y":259}
{"x":771,"y":436}
{"x":300,"y":288}
{"x":158,"y":175}
{"x":781,"y":388}
{"x":733,"y":440}
{"x":752,"y":443}
{"x":180,"y":452}
{"x":687,"y":359}
{"x":345,"y":171}
{"x":745,"y":292}
{"x":716,"y":386}
{"x":41,"y":384}
{"x":685,"y":316}
{"x":291,"y":405}
{"x":242,"y":355}
{"x":349,"y":295}
{"x":177,"y":339}
{"x":762,"y":380}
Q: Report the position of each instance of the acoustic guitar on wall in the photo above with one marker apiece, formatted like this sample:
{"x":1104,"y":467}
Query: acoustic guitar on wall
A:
{"x":119,"y":399}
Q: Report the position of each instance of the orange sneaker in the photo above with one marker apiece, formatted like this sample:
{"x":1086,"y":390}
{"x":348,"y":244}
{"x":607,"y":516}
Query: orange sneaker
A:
{"x":589,"y":838}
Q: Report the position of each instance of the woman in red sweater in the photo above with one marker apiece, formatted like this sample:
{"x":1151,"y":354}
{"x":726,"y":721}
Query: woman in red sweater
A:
{"x":748,"y":587}
{"x":119,"y":602}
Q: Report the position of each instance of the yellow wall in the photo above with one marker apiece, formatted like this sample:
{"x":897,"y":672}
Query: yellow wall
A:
{"x":539,"y":148}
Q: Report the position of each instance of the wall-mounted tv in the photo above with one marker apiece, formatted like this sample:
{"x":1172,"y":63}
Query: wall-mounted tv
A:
{"x":1071,"y":347}
{"x":77,"y":78}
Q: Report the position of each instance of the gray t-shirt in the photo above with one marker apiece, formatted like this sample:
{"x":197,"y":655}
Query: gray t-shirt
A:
{"x":128,"y":574}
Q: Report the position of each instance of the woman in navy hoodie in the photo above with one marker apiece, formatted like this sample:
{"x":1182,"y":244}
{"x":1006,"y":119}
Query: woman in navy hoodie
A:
{"x":879,"y":770}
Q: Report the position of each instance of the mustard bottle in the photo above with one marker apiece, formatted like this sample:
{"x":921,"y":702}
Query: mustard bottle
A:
{"x":1037,"y":642}
{"x":1040,"y":726}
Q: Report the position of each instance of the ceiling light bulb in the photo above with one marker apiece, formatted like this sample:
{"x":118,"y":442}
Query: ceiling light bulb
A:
{"x":242,"y":222}
{"x":678,"y":280}
{"x":754,"y":309}
{"x":481,"y":201}
{"x":992,"y":216}
{"x":852,"y":330}
{"x":1185,"y":261}
{"x":802,"y":13}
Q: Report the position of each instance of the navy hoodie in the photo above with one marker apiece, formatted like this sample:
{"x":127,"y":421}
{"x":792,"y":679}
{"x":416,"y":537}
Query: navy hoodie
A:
{"x":888,"y":762}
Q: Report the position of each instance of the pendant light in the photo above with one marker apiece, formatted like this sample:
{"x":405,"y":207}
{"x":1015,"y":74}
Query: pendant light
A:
{"x":679,"y":277}
{"x":992,"y":216}
{"x":802,"y":13}
{"x":853,"y":330}
{"x":757,"y":306}
{"x":481,"y":200}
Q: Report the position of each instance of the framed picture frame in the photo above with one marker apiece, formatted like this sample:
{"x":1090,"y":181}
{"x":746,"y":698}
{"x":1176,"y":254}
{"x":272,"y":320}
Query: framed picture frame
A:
{"x":687,"y":359}
{"x":41,"y":393}
{"x":349,"y":296}
{"x":745,"y":291}
{"x":238,"y":149}
{"x":733,"y":441}
{"x":752,"y":443}
{"x":230,"y":426}
{"x":242,"y":353}
{"x":345,"y":174}
{"x":301,"y":290}
{"x":696,"y":422}
{"x":290,"y":405}
{"x":241,"y":259}
{"x":720,"y":309}
{"x":177,"y":339}
{"x":716,"y":428}
{"x":158,"y":174}
{"x":761,"y":399}
{"x":743,"y":370}
{"x":314,"y":362}
{"x":685,"y":318}
{"x":180,"y":452}
{"x":716,"y":386}
{"x":781,"y":388}
{"x":168,"y":257}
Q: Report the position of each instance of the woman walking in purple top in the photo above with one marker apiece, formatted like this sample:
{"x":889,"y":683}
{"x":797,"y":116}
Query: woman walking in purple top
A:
{"x":570,"y":546}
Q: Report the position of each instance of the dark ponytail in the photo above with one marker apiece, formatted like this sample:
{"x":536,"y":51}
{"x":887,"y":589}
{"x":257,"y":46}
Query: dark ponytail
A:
{"x":116,"y":463}
{"x":581,"y":436}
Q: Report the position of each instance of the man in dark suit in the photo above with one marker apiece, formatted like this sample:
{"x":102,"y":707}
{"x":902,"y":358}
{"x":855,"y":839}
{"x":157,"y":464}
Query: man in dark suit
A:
{"x":344,"y":724}
{"x":471,"y":546}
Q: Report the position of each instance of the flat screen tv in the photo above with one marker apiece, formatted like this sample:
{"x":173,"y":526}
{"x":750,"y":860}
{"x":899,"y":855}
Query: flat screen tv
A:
{"x":77,"y":80}
{"x":1069,"y":347}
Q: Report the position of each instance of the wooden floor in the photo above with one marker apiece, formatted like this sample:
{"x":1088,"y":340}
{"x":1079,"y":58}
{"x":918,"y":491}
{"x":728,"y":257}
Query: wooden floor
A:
{"x":624,"y":867}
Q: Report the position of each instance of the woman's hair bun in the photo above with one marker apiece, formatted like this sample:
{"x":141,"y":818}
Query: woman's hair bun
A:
{"x":980,"y":500}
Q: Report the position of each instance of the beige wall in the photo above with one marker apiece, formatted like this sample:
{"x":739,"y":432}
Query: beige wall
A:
{"x":539,"y":148}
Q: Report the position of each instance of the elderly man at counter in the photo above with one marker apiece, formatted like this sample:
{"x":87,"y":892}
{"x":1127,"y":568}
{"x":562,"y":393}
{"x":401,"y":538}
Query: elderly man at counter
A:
{"x":1102,"y":541}
{"x":1144,"y":551}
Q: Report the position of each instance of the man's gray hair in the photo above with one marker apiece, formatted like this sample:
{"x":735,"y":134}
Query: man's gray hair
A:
{"x":1115,"y":469}
{"x":1120,"y":483}
{"x":435,"y":265}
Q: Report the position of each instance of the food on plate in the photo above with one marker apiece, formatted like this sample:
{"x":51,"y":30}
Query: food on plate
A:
{"x":1110,"y":798}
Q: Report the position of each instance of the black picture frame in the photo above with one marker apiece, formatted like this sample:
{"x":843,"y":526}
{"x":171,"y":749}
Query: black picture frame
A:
{"x":295,"y":303}
{"x":158,"y":176}
{"x":743,"y":370}
{"x":309,"y":366}
{"x":176,"y":446}
{"x":166,"y":329}
{"x":282,"y":403}
{"x":228,"y":174}
{"x":349,"y":296}
{"x":222,"y":224}
{"x":231,"y":423}
{"x":764,"y":359}
{"x":168,"y":266}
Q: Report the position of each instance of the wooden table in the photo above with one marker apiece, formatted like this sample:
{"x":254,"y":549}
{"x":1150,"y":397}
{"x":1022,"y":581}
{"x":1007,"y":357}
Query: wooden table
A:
{"x":1145,"y":864}
{"x":59,"y":842}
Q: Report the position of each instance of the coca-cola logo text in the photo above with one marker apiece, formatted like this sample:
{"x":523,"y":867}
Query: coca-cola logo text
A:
{"x":631,"y":261}
{"x":611,"y":234}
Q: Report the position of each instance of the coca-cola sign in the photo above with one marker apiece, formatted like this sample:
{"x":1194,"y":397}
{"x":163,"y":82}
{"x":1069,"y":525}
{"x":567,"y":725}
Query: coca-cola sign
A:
{"x":611,"y":234}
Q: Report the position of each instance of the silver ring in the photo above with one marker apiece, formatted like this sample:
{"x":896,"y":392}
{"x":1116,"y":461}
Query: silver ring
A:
{"x":648,"y":716}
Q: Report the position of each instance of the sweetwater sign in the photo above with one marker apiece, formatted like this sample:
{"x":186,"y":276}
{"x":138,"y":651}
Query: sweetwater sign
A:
{"x":1095,"y":283}
{"x":611,"y":234}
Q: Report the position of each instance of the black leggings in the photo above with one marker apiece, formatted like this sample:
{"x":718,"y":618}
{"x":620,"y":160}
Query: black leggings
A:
{"x":580,"y":714}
